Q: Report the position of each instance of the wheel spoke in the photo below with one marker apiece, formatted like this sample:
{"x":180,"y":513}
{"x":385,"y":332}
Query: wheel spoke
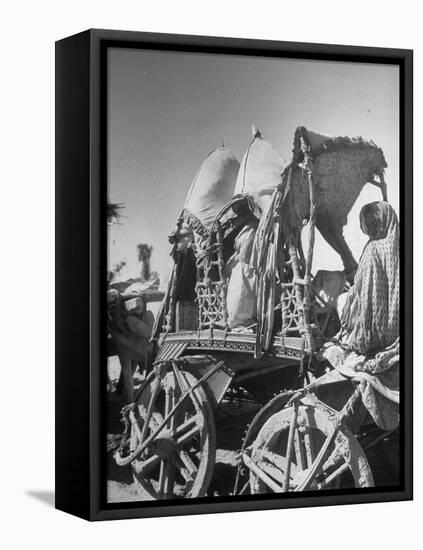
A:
{"x":192,"y":421}
{"x":290,"y":446}
{"x":317,"y":464}
{"x":155,"y":420}
{"x":136,"y":432}
{"x":265,"y":478}
{"x":177,"y":375}
{"x":135,"y":435}
{"x":170,"y":480}
{"x":309,"y":447}
{"x":188,"y":388}
{"x":169,"y":403}
{"x":276,"y":466}
{"x":145,"y":466}
{"x":180,"y":466}
{"x":147,"y":484}
{"x":275,"y":459}
{"x":188,"y":462}
{"x":273,"y":471}
{"x":154,"y":393}
{"x":166,"y":479}
{"x":331,"y":477}
{"x":163,"y":477}
{"x":300,"y":452}
{"x":186,"y":437}
{"x":333,"y":460}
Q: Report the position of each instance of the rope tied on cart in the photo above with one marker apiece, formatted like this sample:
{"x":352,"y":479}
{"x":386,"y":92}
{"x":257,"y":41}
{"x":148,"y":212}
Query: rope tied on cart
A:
{"x":278,"y":252}
{"x":205,"y":252}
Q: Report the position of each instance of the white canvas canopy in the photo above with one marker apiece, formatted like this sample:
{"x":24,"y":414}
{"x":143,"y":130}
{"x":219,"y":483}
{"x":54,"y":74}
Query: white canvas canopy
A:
{"x":260,"y":171}
{"x":213,"y":186}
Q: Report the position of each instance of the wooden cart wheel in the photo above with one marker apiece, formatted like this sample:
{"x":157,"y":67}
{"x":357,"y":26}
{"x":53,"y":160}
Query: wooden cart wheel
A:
{"x":179,"y":461}
{"x":302,"y":449}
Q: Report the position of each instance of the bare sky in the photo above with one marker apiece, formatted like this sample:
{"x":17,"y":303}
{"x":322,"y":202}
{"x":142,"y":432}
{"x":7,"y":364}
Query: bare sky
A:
{"x":168,"y":110}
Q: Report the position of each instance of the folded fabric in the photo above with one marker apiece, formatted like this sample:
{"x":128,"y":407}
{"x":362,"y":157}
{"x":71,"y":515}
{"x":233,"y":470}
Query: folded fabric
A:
{"x":378,"y":380}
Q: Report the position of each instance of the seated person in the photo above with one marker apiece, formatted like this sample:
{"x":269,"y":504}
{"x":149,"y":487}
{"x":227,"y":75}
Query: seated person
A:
{"x":370,"y":317}
{"x":367,"y":347}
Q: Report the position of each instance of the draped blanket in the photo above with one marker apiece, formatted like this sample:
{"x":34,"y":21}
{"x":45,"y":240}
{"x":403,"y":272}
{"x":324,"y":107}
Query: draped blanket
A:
{"x":380,"y":391}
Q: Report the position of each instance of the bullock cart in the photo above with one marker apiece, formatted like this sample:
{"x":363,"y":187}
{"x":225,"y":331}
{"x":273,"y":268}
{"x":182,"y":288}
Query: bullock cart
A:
{"x":169,"y":439}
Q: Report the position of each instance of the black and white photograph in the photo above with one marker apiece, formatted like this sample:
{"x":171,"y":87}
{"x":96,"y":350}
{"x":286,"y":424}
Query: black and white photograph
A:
{"x":253,"y":276}
{"x":211,"y":300}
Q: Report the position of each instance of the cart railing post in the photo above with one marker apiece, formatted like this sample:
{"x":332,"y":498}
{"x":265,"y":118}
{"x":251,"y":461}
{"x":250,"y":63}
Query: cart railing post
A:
{"x":308,"y":166}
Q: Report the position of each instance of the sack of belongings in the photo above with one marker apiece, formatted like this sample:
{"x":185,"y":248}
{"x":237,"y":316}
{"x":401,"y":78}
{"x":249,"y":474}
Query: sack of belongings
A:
{"x":260,"y":172}
{"x":210,"y":191}
{"x":259,"y":175}
{"x":212,"y":188}
{"x":241,"y":297}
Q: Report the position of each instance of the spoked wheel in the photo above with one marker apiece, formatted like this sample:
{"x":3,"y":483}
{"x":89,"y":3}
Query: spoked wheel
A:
{"x":302,"y":449}
{"x":179,"y":459}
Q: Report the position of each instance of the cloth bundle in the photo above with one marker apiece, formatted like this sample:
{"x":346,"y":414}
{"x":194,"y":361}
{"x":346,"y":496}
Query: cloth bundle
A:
{"x":241,"y":297}
{"x":259,"y":176}
{"x":212,"y":188}
{"x":260,"y":172}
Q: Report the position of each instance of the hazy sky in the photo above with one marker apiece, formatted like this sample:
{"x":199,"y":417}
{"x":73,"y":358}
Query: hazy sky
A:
{"x":168,"y":110}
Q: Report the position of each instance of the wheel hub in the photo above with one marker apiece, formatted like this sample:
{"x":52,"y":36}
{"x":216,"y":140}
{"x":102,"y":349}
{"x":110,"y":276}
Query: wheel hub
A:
{"x":164,"y":445}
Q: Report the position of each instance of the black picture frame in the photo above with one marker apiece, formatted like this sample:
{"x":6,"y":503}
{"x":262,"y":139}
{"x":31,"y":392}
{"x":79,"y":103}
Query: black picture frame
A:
{"x":81,"y":128}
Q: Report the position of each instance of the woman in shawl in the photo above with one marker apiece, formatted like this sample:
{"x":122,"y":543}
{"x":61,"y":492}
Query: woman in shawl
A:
{"x":370,"y":317}
{"x":368,"y":342}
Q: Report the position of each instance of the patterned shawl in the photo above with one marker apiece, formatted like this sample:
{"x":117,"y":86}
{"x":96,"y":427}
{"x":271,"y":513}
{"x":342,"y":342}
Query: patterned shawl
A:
{"x":370,"y":318}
